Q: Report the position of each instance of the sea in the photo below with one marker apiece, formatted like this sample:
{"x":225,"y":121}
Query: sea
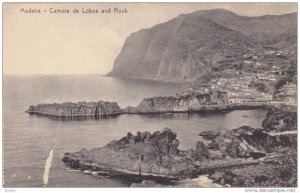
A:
{"x":33,"y":146}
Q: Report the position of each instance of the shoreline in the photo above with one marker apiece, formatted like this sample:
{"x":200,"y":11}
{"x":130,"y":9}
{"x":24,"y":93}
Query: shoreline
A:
{"x":204,"y":169}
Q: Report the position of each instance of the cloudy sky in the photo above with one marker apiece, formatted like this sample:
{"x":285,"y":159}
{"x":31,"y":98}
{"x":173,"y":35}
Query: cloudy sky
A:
{"x":89,"y":43}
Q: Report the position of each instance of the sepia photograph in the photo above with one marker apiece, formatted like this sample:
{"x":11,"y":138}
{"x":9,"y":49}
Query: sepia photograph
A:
{"x":149,"y":95}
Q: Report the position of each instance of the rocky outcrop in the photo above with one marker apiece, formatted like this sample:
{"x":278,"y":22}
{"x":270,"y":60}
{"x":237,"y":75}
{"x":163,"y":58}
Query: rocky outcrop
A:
{"x":147,"y":156}
{"x":280,"y":120}
{"x":80,"y":109}
{"x":240,"y":157}
{"x":268,"y":143}
{"x":156,"y":157}
{"x":246,"y":142}
{"x":191,"y":45}
{"x":278,"y":172}
{"x":143,"y":154}
{"x":231,"y":144}
{"x":182,"y":103}
{"x":172,"y":103}
{"x":157,"y":154}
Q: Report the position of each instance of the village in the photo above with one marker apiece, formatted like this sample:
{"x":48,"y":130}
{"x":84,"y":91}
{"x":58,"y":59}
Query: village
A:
{"x":251,"y":85}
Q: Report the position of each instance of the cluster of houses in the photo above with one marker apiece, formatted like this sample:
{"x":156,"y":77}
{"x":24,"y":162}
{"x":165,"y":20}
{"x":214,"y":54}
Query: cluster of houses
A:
{"x":239,"y":91}
{"x":236,"y":87}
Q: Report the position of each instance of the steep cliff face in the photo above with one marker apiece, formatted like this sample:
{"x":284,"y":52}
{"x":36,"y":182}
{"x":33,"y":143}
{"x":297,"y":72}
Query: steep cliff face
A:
{"x":191,"y":45}
{"x":76,"y":109}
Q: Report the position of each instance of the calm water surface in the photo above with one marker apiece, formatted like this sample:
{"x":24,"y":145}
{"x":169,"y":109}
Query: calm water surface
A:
{"x":27,"y":139}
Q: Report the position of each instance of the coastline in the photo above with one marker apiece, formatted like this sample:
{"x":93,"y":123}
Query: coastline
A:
{"x":204,"y":169}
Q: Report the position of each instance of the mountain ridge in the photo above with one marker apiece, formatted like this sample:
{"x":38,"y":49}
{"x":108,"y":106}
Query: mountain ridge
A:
{"x":190,"y":45}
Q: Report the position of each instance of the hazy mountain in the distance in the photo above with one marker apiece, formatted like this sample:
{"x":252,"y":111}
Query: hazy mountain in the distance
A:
{"x":190,"y":45}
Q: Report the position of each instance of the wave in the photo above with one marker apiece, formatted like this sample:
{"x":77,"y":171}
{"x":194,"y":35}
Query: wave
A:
{"x":47,"y":167}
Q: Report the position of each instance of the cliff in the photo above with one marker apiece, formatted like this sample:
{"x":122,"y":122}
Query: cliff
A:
{"x":81,"y":109}
{"x":191,"y":45}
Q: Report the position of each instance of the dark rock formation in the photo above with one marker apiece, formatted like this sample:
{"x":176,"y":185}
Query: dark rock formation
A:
{"x":210,"y":135}
{"x":171,"y":103}
{"x":183,"y":103}
{"x":199,"y":152}
{"x":237,"y":149}
{"x":280,"y":120}
{"x":213,"y":146}
{"x":191,"y":45}
{"x":80,"y":109}
{"x":265,"y":142}
{"x":245,"y":142}
{"x":239,"y":131}
{"x":230,"y":143}
{"x":156,"y":156}
{"x":280,"y":172}
{"x":141,"y":154}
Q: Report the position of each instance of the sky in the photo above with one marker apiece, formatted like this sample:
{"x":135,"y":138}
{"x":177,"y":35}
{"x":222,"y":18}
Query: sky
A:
{"x":88,"y":43}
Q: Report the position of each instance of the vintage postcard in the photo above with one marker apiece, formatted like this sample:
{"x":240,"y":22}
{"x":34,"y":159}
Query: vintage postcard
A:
{"x":150,"y":95}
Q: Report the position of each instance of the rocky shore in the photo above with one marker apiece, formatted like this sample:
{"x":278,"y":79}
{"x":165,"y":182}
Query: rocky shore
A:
{"x":144,"y":154}
{"x":281,"y":120}
{"x":242,"y":157}
{"x":80,"y":109}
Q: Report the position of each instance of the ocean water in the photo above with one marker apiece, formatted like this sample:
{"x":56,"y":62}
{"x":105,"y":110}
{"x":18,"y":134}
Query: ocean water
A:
{"x":33,"y":144}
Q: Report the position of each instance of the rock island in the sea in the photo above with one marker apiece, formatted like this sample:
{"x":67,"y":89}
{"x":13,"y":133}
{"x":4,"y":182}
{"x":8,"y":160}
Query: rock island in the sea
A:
{"x":80,"y":109}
